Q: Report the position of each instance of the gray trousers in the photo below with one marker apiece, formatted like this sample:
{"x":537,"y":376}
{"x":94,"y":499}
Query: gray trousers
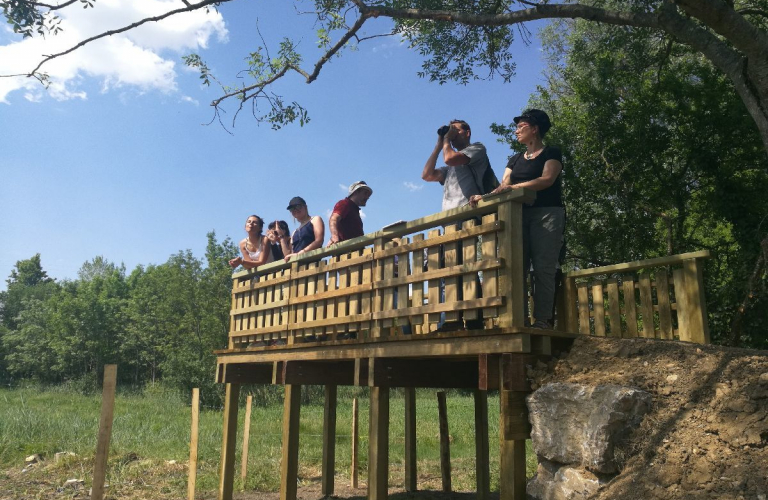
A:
{"x":542,"y":239}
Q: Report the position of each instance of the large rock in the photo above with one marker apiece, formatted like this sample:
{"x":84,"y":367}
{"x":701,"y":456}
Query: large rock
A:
{"x":580,"y":425}
{"x":561,"y":482}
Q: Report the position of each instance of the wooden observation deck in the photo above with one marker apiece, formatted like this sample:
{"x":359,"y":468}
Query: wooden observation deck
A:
{"x":366,"y":313}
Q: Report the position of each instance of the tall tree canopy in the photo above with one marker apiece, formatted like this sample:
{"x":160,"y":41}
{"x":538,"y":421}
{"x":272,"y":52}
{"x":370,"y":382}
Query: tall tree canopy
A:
{"x":461,"y":39}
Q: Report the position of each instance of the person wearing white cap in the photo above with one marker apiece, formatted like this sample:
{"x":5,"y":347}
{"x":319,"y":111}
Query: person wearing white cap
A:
{"x":345,"y":221}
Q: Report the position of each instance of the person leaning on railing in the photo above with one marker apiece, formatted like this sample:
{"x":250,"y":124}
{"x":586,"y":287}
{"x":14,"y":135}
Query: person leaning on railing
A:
{"x":255,"y":248}
{"x":278,"y":235}
{"x":345,"y":221}
{"x":538,"y":169}
{"x":308,"y":236}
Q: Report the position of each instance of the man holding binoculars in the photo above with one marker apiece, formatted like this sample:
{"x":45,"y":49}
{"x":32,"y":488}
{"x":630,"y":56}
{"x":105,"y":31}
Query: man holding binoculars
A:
{"x":465,"y":164}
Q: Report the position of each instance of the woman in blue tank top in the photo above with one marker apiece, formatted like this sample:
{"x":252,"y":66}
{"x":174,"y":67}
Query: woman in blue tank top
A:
{"x":309,"y":235}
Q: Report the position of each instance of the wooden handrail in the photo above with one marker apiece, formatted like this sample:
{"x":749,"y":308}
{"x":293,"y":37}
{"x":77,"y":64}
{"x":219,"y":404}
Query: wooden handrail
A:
{"x":640,"y":264}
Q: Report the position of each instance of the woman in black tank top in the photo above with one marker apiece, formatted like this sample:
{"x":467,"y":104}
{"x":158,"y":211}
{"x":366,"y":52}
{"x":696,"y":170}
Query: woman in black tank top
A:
{"x":309,"y":235}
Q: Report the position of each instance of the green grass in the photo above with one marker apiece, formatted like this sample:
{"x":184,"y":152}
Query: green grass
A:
{"x":152,"y":428}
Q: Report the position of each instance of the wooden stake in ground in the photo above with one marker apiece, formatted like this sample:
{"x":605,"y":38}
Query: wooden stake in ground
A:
{"x":445,"y":445}
{"x":354,"y":442}
{"x":246,"y":438}
{"x":105,"y":432}
{"x":193,"y":444}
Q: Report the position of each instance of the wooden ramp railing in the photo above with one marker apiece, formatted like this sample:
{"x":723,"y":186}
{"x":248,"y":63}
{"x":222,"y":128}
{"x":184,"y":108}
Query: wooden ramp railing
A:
{"x":655,"y":298}
{"x":458,"y":265}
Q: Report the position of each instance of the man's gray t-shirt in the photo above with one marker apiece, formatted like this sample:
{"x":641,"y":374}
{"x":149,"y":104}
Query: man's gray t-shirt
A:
{"x":459,"y":183}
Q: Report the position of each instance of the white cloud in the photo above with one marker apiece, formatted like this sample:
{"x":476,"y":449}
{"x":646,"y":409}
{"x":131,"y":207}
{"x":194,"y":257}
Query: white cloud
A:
{"x":410,"y":186}
{"x":344,"y":188}
{"x":362,"y":214}
{"x":186,"y":98}
{"x":135,"y":59}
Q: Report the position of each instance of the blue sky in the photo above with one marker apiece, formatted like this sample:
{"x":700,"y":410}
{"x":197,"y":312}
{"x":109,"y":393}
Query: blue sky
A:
{"x":114,"y":159}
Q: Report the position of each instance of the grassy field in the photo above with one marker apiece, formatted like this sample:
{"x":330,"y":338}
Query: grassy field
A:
{"x":149,"y":448}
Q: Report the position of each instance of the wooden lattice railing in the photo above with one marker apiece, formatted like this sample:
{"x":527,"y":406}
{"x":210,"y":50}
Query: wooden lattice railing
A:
{"x":455,"y":266}
{"x":655,"y":298}
{"x":460,"y":266}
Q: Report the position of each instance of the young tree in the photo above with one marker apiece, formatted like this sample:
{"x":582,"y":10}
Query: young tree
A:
{"x":461,"y":37}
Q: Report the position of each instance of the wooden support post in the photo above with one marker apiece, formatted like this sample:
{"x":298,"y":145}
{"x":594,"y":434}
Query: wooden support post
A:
{"x":193,"y":444}
{"x":410,"y":439}
{"x":696,"y":310}
{"x":445,"y":443}
{"x":482,"y":463}
{"x":378,"y":439}
{"x":514,"y":431}
{"x":571,"y":322}
{"x":511,"y":277}
{"x":329,"y":440}
{"x":228,"y":443}
{"x":289,"y":466}
{"x":105,"y":431}
{"x":355,"y":443}
{"x":246,"y":438}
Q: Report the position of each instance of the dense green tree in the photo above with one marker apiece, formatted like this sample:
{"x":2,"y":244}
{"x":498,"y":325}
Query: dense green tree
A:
{"x":660,"y":158}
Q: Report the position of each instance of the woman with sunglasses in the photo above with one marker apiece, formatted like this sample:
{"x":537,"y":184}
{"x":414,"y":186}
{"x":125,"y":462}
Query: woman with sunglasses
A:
{"x":311,"y":231}
{"x":255,"y":247}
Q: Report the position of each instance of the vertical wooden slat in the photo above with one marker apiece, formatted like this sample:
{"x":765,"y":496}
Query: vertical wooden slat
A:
{"x":402,"y":291}
{"x":365,"y":300}
{"x":354,"y":300}
{"x":289,"y":466}
{"x":490,"y":278}
{"x":662,"y":298}
{"x":681,"y":301}
{"x":646,"y":306}
{"x":598,"y":308}
{"x":193,"y":435}
{"x":228,"y":444}
{"x":410,"y":439}
{"x":469,"y":282}
{"x":342,"y":307}
{"x":329,"y":441}
{"x":310,"y":307}
{"x":388,"y":293}
{"x":378,"y":447}
{"x":445,"y":443}
{"x":331,"y":303}
{"x":418,"y":286}
{"x":614,"y":314}
{"x":246,"y":439}
{"x":630,"y":305}
{"x":433,"y":263}
{"x":291,"y":310}
{"x":378,"y":300}
{"x":451,"y":282}
{"x":105,"y":431}
{"x":482,"y":464}
{"x":583,"y":293}
{"x":320,"y":304}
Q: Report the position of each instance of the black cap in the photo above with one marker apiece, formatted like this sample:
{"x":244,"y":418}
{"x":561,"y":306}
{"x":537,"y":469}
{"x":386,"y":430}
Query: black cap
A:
{"x":296,"y":201}
{"x":535,"y":117}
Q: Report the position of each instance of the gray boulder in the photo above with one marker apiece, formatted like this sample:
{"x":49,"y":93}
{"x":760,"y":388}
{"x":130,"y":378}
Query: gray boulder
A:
{"x":561,"y":482}
{"x":580,"y":425}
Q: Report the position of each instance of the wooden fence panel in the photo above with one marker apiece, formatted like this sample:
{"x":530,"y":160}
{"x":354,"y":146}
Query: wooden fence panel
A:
{"x":490,"y":278}
{"x":469,"y":281}
{"x":451,"y":283}
{"x":417,"y":321}
{"x":583,"y":294}
{"x":614,"y":315}
{"x":665,"y":306}
{"x":433,"y":263}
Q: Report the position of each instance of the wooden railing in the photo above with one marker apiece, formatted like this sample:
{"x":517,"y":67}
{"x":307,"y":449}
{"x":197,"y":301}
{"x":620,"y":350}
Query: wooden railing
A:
{"x":461,"y":266}
{"x":458,"y":265}
{"x":655,"y":298}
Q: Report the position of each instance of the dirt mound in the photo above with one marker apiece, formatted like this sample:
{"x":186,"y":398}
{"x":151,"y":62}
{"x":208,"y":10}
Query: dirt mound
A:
{"x":707,"y":433}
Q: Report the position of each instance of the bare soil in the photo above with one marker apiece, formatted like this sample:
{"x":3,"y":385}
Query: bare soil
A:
{"x":707,"y":433}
